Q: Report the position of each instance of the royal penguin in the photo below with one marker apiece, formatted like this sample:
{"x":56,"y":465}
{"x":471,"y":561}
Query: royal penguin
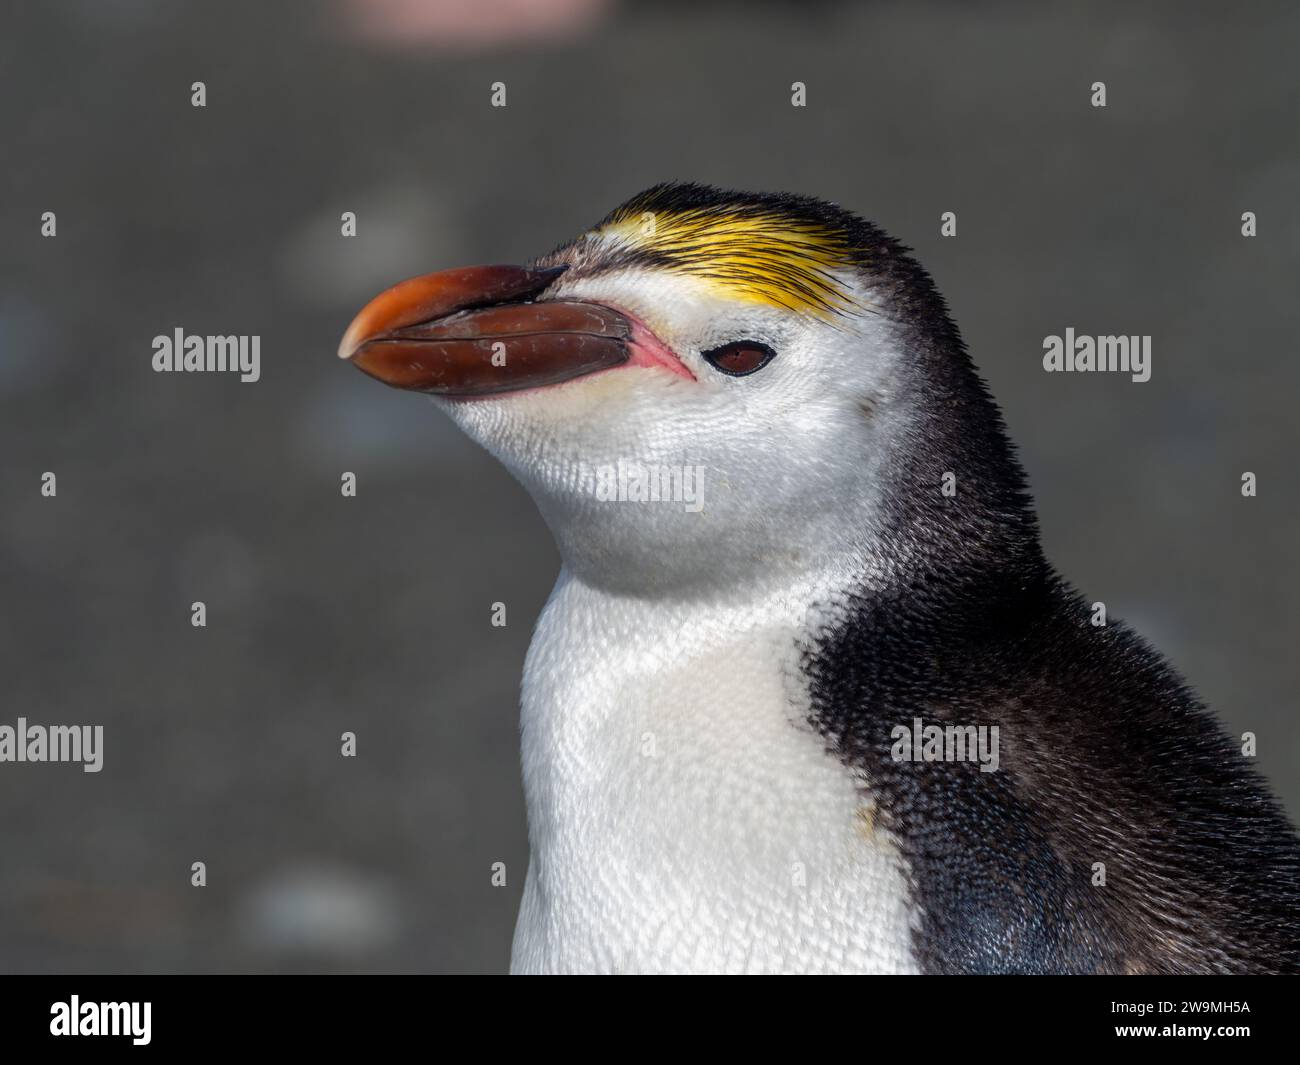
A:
{"x":793,"y":531}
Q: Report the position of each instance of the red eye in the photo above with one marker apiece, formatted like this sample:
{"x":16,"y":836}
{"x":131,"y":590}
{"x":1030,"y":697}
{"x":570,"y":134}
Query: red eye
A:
{"x":740,"y":357}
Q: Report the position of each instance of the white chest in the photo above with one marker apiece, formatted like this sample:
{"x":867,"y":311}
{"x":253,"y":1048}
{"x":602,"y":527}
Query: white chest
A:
{"x":682,"y":816}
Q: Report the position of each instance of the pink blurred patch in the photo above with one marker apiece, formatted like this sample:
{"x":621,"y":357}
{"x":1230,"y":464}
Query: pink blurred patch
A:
{"x":460,"y":25}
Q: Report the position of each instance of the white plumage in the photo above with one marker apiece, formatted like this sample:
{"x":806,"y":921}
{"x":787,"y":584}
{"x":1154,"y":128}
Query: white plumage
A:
{"x":682,"y":815}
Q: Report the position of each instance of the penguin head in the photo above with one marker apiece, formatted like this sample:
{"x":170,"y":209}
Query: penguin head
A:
{"x":706,"y":389}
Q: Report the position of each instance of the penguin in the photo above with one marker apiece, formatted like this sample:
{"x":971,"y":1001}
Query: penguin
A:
{"x":800,"y":565}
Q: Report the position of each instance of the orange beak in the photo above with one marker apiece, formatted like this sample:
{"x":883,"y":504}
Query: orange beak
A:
{"x":477,"y":332}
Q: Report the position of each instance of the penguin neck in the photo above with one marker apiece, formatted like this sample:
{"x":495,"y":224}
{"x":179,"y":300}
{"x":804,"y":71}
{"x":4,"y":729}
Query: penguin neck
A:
{"x":903,"y":534}
{"x":814,"y":564}
{"x":794,"y":599}
{"x":956,"y":497}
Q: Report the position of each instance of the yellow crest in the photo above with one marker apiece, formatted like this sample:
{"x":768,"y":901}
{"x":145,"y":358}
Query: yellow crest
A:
{"x":755,"y":253}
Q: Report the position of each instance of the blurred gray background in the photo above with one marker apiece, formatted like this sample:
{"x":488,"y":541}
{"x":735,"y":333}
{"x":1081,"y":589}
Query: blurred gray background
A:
{"x":372,"y":614}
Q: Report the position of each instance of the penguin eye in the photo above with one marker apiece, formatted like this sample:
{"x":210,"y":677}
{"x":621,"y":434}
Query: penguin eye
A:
{"x":740,"y":357}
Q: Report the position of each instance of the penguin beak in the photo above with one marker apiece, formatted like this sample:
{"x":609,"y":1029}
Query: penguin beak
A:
{"x":477,"y":332}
